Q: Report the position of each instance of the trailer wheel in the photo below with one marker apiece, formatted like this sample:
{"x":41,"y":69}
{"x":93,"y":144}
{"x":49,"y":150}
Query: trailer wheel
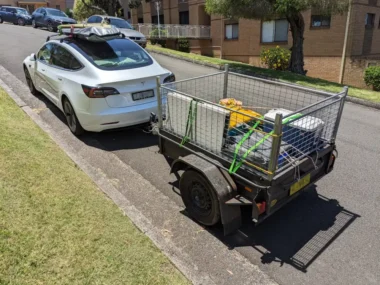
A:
{"x":199,"y":198}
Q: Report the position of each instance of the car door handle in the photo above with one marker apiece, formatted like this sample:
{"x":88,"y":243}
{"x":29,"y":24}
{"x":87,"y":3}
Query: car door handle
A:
{"x":59,"y":78}
{"x":42,"y":69}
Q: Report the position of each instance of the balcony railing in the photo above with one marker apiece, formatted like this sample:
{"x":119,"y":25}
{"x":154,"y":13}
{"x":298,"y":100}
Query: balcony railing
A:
{"x":153,"y":31}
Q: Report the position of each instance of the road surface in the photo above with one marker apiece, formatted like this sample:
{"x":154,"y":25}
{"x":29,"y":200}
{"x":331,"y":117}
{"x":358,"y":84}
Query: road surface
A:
{"x":329,"y":235}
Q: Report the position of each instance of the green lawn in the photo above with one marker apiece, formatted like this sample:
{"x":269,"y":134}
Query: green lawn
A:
{"x":56,"y":226}
{"x":281,"y":75}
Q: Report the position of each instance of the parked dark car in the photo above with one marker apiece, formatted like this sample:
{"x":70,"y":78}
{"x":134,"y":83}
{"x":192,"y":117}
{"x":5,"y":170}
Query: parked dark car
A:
{"x":15,"y":15}
{"x":50,"y":18}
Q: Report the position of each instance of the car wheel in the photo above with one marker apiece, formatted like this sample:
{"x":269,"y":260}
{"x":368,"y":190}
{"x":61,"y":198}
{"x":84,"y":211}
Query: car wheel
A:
{"x":1,"y":20}
{"x":29,"y":81}
{"x":199,"y":198}
{"x":34,"y":24}
{"x":51,"y":28}
{"x":21,"y":22}
{"x":72,"y":119}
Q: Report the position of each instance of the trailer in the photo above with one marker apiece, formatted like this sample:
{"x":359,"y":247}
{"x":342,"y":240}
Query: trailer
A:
{"x":243,"y":141}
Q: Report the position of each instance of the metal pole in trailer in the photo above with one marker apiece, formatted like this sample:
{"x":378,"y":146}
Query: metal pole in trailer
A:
{"x":226,"y":70}
{"x":276,"y":144}
{"x":340,"y":112}
{"x":159,"y":102}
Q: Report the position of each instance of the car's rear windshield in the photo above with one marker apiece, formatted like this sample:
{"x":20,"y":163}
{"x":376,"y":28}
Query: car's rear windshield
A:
{"x":116,"y":54}
{"x":56,"y":13}
{"x":122,"y":24}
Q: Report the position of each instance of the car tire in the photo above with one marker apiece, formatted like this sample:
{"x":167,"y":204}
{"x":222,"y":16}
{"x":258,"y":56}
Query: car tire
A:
{"x":50,"y":27}
{"x":1,"y":20}
{"x":34,"y":24}
{"x":21,"y":22}
{"x":199,"y":198}
{"x":29,"y":82}
{"x":71,"y":118}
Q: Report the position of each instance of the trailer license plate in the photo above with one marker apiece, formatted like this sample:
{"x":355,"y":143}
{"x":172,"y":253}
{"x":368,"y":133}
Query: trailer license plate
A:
{"x":142,"y":95}
{"x":300,"y":184}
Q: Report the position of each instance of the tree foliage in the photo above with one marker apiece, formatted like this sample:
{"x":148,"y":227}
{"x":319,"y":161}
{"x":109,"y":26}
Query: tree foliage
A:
{"x":85,"y":8}
{"x":289,"y":9}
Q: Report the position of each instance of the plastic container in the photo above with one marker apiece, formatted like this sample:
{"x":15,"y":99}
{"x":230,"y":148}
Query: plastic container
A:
{"x":303,"y":134}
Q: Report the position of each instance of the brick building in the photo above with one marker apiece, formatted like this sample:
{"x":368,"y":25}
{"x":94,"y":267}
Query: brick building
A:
{"x":32,"y":5}
{"x":243,"y":40}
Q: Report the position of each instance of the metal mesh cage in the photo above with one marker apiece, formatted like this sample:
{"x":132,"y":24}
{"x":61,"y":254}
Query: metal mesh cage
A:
{"x":233,"y":116}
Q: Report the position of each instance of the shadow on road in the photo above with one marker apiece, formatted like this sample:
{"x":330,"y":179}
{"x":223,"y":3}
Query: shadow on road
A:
{"x":134,"y":138}
{"x":296,"y":235}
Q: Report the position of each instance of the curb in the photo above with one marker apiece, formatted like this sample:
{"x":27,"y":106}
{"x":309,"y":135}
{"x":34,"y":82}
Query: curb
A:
{"x":184,"y":262}
{"x":221,"y":67}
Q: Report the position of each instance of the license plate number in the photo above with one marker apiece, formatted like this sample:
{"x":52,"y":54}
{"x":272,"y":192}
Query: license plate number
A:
{"x":142,"y":95}
{"x":299,"y":185}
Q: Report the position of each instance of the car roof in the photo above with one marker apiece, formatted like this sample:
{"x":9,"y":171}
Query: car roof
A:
{"x":109,"y":17}
{"x":52,"y":9}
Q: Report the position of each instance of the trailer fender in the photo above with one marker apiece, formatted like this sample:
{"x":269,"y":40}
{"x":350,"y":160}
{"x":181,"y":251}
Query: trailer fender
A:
{"x":222,"y":183}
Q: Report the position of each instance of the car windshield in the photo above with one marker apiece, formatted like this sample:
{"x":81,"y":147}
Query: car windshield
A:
{"x":122,"y":24}
{"x":56,"y":13}
{"x":22,"y":11}
{"x":116,"y":54}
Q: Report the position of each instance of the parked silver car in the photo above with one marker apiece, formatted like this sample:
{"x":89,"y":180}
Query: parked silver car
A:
{"x":123,"y":26}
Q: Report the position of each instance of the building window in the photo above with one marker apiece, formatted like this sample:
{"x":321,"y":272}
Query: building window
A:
{"x":232,"y":31}
{"x":274,"y":31}
{"x":184,"y":18}
{"x":370,"y":20}
{"x":320,"y":21}
{"x":140,"y":20}
{"x":155,"y":20}
{"x":58,"y":7}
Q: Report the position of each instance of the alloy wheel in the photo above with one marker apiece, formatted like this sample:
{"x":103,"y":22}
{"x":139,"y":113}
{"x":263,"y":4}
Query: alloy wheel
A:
{"x":70,"y":116}
{"x":50,"y":27}
{"x":20,"y":22}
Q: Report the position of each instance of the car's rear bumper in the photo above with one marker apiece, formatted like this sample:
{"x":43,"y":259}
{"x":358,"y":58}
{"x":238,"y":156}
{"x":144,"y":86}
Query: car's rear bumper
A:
{"x":115,"y":118}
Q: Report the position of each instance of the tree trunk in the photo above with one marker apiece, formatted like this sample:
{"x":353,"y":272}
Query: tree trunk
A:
{"x":297,"y":27}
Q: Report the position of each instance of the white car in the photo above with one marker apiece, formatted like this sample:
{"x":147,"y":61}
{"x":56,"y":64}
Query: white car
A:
{"x":98,"y":85}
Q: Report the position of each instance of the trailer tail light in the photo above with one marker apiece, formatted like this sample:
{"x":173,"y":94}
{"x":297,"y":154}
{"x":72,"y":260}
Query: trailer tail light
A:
{"x":262,"y":207}
{"x":93,"y":92}
{"x":330,"y":166}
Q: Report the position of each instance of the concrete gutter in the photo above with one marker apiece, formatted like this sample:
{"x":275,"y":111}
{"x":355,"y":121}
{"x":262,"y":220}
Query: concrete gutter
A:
{"x":200,"y":256}
{"x":221,"y":67}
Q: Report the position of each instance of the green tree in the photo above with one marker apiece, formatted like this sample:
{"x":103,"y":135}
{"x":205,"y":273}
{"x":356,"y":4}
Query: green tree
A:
{"x":290,"y":9}
{"x":85,"y":8}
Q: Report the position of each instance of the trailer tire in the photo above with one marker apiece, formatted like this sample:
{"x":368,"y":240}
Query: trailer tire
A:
{"x":199,"y":198}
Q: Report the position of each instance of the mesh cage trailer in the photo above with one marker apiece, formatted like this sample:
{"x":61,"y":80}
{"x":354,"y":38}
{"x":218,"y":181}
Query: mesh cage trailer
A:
{"x":238,"y":140}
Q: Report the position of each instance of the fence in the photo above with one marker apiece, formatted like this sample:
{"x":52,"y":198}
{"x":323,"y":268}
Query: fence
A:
{"x":152,"y":31}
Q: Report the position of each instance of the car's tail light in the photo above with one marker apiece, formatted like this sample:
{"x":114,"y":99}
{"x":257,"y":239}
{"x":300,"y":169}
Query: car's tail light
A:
{"x":102,"y":92}
{"x":170,"y":78}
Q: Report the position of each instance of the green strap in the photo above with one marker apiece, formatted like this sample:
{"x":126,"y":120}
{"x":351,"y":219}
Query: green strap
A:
{"x":236,"y":168}
{"x":190,"y":120}
{"x":246,"y":136}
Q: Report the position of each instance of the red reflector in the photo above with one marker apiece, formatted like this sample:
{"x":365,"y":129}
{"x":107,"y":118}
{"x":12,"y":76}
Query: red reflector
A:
{"x":261,"y":206}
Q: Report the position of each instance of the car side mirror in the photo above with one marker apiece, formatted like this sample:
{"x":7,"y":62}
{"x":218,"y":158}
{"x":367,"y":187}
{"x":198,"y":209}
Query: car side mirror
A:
{"x":33,"y":57}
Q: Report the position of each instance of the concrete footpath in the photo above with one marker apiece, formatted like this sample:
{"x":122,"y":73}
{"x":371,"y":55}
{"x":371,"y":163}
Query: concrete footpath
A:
{"x":201,"y":257}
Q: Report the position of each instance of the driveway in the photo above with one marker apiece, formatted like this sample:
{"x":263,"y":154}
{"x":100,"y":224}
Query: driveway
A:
{"x":329,"y":235}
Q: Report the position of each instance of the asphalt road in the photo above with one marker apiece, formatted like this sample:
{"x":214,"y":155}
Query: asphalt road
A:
{"x":329,"y":235}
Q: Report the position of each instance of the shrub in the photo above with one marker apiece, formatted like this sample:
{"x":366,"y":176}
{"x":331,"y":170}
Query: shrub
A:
{"x":183,"y":45}
{"x":154,"y":37}
{"x":372,"y":77}
{"x":275,"y":58}
{"x":69,"y":13}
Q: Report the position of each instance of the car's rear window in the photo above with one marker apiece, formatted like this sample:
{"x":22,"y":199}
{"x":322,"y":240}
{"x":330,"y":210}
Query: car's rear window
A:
{"x":116,"y":54}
